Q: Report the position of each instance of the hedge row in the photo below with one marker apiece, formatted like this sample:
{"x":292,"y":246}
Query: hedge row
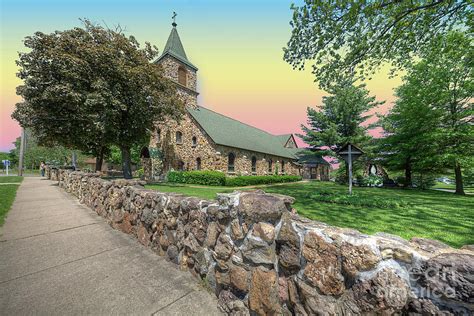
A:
{"x":197,"y":177}
{"x":256,"y":180}
{"x":217,"y":178}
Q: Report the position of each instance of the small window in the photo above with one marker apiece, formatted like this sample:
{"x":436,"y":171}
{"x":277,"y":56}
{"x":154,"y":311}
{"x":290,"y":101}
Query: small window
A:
{"x":182,"y":76}
{"x":198,"y":163}
{"x":254,"y":164}
{"x":230,"y":163}
{"x":195,"y":142}
{"x":179,"y":138}
{"x":180,"y":165}
{"x":282,"y":166}
{"x":270,"y":165}
{"x":158,"y":135}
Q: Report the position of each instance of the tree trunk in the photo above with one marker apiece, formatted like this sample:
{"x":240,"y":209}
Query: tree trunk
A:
{"x":99,"y":160}
{"x":126,"y":163}
{"x":458,"y":174}
{"x":408,"y":180}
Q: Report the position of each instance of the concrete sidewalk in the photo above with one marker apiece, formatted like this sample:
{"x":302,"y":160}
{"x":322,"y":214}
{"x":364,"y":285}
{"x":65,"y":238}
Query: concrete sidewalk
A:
{"x":58,"y":257}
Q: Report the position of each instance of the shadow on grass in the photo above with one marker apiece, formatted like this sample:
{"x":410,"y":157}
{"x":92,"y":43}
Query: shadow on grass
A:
{"x":429,"y":214}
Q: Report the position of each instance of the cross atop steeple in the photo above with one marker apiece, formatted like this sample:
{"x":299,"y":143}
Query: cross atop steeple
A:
{"x":174,"y":19}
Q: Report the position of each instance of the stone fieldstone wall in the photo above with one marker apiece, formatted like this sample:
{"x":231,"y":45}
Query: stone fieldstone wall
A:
{"x":260,"y":258}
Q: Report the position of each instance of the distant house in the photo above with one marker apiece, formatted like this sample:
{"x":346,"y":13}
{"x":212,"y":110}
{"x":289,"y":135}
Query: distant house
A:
{"x":206,"y":140}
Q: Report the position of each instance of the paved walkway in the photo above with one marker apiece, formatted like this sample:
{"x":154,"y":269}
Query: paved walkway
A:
{"x":57,"y":257}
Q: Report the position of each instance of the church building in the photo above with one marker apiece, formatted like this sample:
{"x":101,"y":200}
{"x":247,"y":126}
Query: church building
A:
{"x":206,"y":140}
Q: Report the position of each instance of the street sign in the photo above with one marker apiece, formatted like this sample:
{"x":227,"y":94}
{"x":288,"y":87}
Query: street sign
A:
{"x":6,"y":163}
{"x":350,"y":153}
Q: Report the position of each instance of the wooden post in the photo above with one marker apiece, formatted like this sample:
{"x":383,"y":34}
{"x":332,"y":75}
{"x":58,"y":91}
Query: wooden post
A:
{"x":350,"y":169}
{"x":22,"y":152}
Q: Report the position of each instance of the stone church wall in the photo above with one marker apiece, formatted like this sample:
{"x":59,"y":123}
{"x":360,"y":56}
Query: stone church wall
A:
{"x":213,"y":157}
{"x":187,"y":94}
{"x":185,"y":151}
{"x":259,"y":257}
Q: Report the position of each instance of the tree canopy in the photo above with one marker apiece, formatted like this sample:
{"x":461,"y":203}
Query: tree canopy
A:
{"x":358,"y":36}
{"x":431,"y":124}
{"x":90,"y":88}
{"x":35,"y":153}
{"x":339,"y":119}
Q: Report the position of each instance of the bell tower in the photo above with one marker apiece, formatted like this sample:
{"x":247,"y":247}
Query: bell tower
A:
{"x":178,"y":68}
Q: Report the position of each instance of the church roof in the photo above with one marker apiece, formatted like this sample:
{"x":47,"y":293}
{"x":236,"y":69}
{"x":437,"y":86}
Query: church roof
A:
{"x":284,"y":138}
{"x":226,"y":131}
{"x":308,"y":156}
{"x":175,"y":48}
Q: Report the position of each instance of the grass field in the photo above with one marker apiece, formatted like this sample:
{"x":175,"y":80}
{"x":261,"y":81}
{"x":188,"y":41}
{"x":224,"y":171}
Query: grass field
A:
{"x":440,"y":185}
{"x":407,"y":213}
{"x":10,"y":179}
{"x":7,"y":194}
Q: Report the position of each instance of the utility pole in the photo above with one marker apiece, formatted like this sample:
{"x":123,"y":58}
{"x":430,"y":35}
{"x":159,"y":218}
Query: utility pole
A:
{"x":22,"y":152}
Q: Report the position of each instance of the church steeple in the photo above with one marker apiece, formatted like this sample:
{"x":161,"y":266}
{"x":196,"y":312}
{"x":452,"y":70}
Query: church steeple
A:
{"x":178,"y":68}
{"x":174,"y":47}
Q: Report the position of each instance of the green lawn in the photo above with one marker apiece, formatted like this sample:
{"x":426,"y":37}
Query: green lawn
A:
{"x":7,"y":196}
{"x":430,"y":214}
{"x":440,"y":185}
{"x":10,"y":179}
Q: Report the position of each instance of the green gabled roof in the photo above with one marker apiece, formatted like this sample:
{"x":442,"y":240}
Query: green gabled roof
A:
{"x":284,"y":138}
{"x":226,"y":131}
{"x":308,"y":156}
{"x":175,"y":48}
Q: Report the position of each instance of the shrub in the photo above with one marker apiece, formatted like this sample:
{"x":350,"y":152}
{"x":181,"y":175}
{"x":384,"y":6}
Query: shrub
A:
{"x":217,"y":178}
{"x":197,"y":177}
{"x":372,"y":180}
{"x":256,"y":180}
{"x":140,"y":173}
{"x":423,"y":181}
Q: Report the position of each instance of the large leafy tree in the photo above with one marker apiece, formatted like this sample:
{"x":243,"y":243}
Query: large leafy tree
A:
{"x":431,"y":124}
{"x":343,"y":35}
{"x":63,"y":101}
{"x":90,"y":88}
{"x":339,"y":120}
{"x":410,"y":132}
{"x":447,"y":77}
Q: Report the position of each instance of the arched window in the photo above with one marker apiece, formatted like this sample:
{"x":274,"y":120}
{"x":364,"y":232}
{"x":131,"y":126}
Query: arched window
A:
{"x":270,"y":165}
{"x":180,"y":165}
{"x":198,"y":163}
{"x":182,"y":76}
{"x":195,"y":142}
{"x":179,"y":138}
{"x":158,"y":135}
{"x":282,"y":166}
{"x":230,"y":162}
{"x":254,"y":164}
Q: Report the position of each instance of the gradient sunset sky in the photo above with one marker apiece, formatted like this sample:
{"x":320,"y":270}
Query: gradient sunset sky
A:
{"x":237,"y":46}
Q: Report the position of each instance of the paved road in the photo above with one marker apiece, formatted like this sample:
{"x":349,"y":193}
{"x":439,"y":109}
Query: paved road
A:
{"x":57,"y":257}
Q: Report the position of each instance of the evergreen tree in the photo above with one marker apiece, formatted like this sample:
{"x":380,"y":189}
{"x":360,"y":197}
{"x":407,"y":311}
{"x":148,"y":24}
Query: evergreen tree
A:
{"x":339,"y":120}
